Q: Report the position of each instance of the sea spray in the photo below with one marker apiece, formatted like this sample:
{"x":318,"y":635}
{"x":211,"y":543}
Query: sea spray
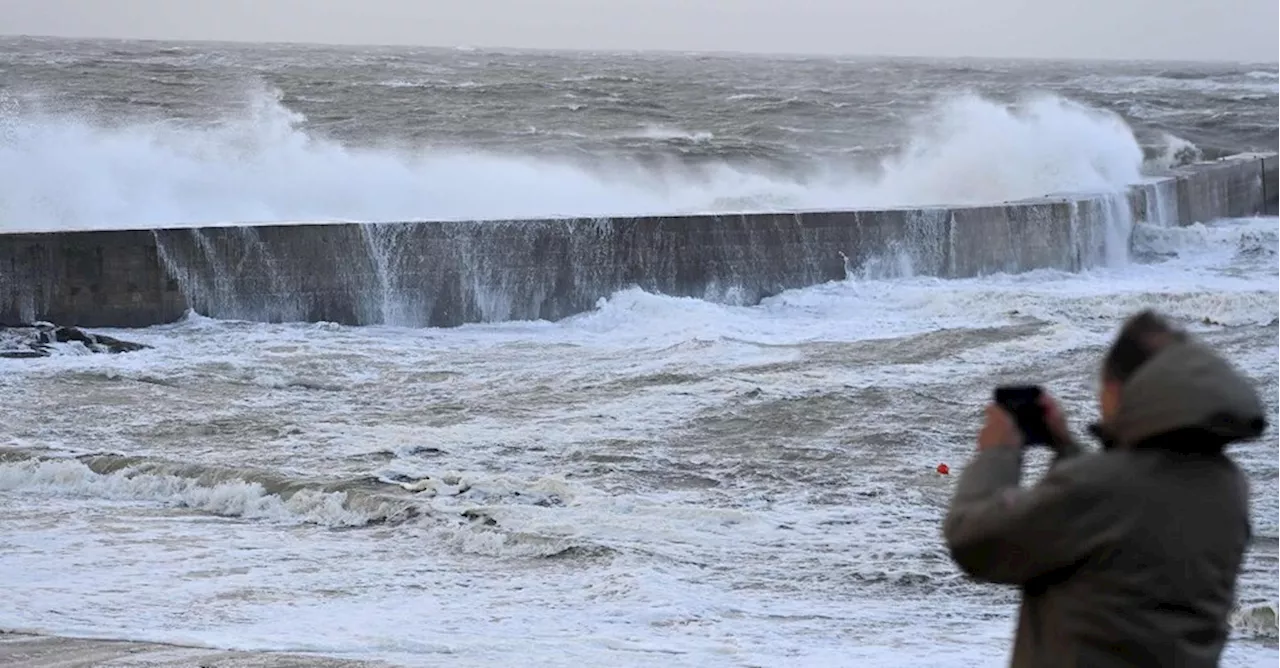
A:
{"x":970,"y":150}
{"x":61,"y":170}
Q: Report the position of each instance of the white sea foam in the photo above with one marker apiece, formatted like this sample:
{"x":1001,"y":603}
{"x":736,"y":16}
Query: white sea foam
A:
{"x":1257,"y":82}
{"x":229,"y":498}
{"x":664,"y":133}
{"x":616,"y":540}
{"x":61,"y":171}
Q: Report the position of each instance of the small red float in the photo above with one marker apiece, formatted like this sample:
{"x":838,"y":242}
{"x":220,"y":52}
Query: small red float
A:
{"x":943,"y":469}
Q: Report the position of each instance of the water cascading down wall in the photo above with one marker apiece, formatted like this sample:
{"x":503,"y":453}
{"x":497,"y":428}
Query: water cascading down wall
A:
{"x":450,"y":273}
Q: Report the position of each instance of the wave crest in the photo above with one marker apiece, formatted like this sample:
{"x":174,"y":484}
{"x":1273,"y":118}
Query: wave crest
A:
{"x":225,"y":493}
{"x":262,"y":162}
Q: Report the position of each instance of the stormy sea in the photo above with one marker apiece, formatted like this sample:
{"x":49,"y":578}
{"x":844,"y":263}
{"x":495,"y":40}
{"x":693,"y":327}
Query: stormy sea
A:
{"x":659,"y":481}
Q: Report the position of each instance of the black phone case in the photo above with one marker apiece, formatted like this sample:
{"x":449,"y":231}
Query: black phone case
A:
{"x":1024,"y":404}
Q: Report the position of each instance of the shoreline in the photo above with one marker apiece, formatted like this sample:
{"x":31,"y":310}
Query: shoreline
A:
{"x":24,"y":650}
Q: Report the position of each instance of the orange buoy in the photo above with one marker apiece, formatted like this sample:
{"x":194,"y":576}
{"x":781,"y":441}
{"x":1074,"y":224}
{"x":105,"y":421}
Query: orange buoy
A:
{"x":943,"y":469}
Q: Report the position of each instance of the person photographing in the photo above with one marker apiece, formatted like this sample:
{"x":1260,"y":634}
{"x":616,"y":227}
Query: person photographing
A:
{"x":1126,"y":556}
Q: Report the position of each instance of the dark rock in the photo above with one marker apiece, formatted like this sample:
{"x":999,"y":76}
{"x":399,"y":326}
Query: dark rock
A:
{"x":29,"y":340}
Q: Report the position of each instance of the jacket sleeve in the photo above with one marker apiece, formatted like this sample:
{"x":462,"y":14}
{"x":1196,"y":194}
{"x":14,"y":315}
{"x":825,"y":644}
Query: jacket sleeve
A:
{"x":1068,"y":449}
{"x":1000,"y":532}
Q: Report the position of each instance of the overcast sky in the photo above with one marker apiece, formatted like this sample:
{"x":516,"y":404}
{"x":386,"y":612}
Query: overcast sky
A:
{"x":1156,"y":29}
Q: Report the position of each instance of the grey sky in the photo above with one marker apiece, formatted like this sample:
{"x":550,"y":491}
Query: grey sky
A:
{"x":1156,"y":29}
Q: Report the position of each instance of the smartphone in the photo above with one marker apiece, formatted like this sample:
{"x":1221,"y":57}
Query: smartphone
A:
{"x":1023,"y":402}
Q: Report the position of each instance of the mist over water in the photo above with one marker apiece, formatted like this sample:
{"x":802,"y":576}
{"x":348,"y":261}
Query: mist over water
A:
{"x":659,"y":481}
{"x":61,"y":171}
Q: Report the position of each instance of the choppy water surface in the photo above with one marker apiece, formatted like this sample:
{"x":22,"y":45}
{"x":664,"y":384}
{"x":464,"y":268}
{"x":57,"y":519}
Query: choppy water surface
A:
{"x":660,"y":481}
{"x":104,"y":134}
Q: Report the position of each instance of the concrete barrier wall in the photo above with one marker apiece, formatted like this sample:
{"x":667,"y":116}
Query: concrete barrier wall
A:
{"x":1227,"y":189}
{"x":1270,"y":177}
{"x":1232,"y":187}
{"x":450,"y":273}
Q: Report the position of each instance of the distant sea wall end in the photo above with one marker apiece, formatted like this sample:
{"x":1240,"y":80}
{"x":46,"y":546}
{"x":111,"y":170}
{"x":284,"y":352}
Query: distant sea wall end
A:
{"x":451,"y":273}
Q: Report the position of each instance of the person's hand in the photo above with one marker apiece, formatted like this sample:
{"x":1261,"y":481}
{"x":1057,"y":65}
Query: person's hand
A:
{"x":1000,"y":430}
{"x":1055,"y":420}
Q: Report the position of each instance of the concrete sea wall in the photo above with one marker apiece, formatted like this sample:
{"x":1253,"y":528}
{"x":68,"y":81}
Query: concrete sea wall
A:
{"x":1270,"y":192}
{"x":450,"y":273}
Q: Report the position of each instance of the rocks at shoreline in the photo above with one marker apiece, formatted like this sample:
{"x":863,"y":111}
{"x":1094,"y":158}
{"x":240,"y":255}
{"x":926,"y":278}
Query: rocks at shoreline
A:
{"x":23,"y":341}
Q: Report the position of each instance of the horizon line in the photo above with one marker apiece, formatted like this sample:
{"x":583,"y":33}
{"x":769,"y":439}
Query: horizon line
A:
{"x":634,"y":51}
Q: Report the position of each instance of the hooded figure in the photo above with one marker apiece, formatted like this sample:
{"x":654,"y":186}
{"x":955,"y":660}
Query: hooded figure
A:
{"x":1128,"y":556}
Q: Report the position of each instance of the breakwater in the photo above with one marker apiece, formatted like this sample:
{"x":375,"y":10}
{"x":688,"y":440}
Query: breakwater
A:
{"x":455,"y":272}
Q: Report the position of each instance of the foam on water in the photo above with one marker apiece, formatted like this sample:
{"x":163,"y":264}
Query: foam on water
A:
{"x":235,"y":497}
{"x":659,"y":481}
{"x":60,"y":170}
{"x":861,"y":308}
